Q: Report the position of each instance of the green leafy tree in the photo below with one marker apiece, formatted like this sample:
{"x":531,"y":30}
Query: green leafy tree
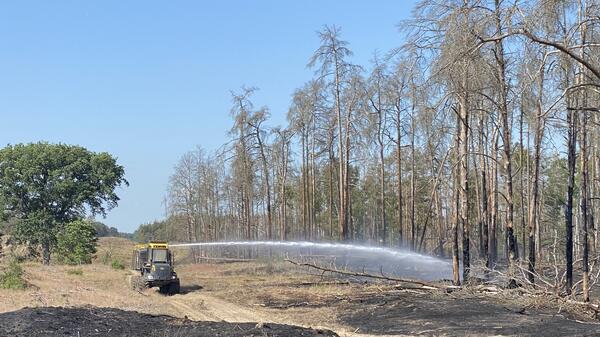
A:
{"x":76,"y":243}
{"x":45,"y":186}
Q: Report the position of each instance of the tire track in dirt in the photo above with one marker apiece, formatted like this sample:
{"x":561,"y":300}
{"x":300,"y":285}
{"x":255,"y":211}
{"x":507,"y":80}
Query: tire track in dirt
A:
{"x":209,"y":308}
{"x":188,"y":311}
{"x":205,"y":307}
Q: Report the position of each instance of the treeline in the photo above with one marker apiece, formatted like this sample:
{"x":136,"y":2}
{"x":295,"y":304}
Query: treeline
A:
{"x":103,"y":230}
{"x":476,"y":138}
{"x":156,"y":230}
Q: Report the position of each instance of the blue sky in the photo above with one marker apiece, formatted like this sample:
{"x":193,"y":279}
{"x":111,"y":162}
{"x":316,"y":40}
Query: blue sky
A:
{"x":150,"y":80}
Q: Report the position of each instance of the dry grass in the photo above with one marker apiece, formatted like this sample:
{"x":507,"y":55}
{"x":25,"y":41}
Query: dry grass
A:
{"x":110,"y":249}
{"x":95,"y":284}
{"x":100,"y":285}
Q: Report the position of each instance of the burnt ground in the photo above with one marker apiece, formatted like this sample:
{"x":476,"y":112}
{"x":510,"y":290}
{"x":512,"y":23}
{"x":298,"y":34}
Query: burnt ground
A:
{"x":92,"y":321}
{"x":438,"y":313}
{"x":460,"y":315}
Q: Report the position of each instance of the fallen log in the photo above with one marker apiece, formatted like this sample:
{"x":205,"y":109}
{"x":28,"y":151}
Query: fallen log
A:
{"x":423,"y":284}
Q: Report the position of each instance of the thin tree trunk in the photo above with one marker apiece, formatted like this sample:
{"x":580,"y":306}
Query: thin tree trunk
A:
{"x":46,"y":252}
{"x":342,"y":213}
{"x":284,"y":164}
{"x":304,"y":188}
{"x":493,"y":246}
{"x":484,"y":192}
{"x":382,"y":192}
{"x":440,"y":216}
{"x":312,"y":219}
{"x":330,"y":208}
{"x":571,"y":158}
{"x":267,"y":183}
{"x":534,"y":199}
{"x":464,"y":182}
{"x":522,"y":153}
{"x":593,"y":189}
{"x":455,"y":261}
{"x":399,"y":173}
{"x":412,"y":183}
{"x":350,"y":230}
{"x":506,"y":141}
{"x":584,"y":206}
{"x":584,"y":163}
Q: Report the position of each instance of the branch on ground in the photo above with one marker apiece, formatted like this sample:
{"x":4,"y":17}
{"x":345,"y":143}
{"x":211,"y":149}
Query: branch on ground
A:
{"x":423,"y":284}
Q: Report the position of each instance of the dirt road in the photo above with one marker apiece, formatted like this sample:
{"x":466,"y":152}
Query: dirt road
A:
{"x":202,"y":306}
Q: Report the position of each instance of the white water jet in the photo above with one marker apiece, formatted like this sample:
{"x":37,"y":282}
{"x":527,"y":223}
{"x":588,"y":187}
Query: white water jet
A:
{"x":393,"y":262}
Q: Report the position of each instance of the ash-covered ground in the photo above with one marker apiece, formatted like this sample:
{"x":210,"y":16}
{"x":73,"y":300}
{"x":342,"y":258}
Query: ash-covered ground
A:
{"x":93,"y":321}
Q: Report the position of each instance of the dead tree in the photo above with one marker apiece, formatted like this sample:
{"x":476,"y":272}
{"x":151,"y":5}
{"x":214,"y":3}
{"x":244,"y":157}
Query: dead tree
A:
{"x":378,"y":107}
{"x":256,"y":124}
{"x":331,"y":57}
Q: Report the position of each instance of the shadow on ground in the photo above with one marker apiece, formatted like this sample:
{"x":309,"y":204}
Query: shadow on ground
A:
{"x":189,"y":288}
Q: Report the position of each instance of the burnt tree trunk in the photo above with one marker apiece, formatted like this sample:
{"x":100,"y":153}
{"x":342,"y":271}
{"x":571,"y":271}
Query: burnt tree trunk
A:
{"x":571,"y":158}
{"x":584,"y":207}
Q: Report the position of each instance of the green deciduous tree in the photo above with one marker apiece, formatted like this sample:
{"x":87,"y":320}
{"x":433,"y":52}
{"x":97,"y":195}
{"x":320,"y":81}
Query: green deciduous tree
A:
{"x":76,"y":243}
{"x":45,"y":186}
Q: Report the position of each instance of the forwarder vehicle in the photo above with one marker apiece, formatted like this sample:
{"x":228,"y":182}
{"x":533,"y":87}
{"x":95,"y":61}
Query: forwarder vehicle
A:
{"x":153,"y":264}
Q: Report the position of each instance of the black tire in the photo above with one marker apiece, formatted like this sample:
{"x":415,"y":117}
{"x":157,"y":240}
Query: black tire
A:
{"x":174,"y":288}
{"x":164,"y":289}
{"x":137,"y":283}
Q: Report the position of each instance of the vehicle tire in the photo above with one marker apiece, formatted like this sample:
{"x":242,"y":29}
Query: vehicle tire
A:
{"x":137,"y":283}
{"x":174,"y":288}
{"x":164,"y":289}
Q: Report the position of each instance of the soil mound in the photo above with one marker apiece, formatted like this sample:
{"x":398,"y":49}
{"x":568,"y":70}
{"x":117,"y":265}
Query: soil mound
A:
{"x":93,"y":321}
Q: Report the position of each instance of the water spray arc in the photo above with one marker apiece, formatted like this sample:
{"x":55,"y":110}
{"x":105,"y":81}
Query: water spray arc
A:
{"x":395,"y":262}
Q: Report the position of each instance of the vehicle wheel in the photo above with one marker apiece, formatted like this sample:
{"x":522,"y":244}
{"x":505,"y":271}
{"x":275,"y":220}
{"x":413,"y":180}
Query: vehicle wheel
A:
{"x":164,"y":289}
{"x":136,"y":283}
{"x":174,"y":288}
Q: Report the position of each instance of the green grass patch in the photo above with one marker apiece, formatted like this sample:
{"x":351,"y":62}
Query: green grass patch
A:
{"x":75,"y":271}
{"x":117,"y":264}
{"x":107,"y":259}
{"x":11,"y":277}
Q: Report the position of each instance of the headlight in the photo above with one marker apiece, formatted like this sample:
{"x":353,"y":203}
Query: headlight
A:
{"x":150,"y":277}
{"x":173,"y":277}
